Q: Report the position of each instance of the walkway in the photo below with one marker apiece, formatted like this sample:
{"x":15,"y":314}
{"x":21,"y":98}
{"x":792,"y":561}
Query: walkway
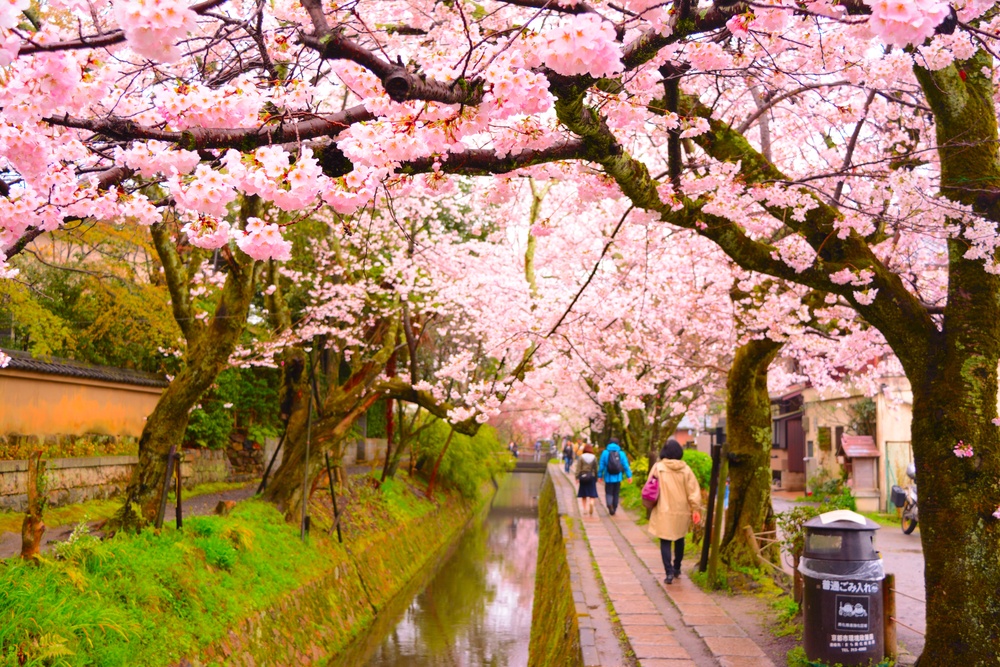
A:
{"x":667,"y":626}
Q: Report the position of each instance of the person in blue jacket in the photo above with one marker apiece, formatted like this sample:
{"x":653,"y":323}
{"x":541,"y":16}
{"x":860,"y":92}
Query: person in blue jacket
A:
{"x":613,"y":466}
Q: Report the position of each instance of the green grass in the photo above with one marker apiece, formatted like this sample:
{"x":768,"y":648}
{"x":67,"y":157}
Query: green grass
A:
{"x":96,"y":510}
{"x":402,"y":505}
{"x":631,"y":499}
{"x":883,"y":519}
{"x":796,"y":657}
{"x":152,"y":598}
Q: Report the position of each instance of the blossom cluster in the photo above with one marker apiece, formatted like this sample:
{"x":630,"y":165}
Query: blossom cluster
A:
{"x":905,"y":22}
{"x":268,"y":172}
{"x":583,"y":44}
{"x":153,"y":27}
{"x":261,"y":240}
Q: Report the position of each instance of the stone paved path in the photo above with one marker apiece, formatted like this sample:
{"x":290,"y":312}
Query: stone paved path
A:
{"x":667,"y":626}
{"x":598,"y":640}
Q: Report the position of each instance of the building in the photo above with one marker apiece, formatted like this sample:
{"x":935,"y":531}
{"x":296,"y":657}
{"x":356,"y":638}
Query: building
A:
{"x":844,"y":433}
{"x":59,"y":398}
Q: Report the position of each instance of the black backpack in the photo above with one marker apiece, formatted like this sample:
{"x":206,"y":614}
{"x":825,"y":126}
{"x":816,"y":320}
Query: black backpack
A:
{"x":615,"y":463}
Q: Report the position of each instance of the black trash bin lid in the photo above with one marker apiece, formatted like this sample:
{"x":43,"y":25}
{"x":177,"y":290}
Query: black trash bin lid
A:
{"x":846,"y":536}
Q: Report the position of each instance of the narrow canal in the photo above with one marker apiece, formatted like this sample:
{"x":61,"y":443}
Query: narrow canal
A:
{"x":475,"y":609}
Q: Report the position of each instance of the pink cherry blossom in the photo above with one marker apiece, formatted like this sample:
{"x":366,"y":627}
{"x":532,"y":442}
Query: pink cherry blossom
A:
{"x":905,"y":22}
{"x":582,"y":44}
{"x":963,"y":450}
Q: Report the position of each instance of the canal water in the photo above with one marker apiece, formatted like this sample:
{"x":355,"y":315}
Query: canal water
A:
{"x":475,"y":609}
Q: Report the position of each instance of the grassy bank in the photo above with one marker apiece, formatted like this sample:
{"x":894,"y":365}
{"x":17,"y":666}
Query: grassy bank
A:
{"x":221,"y":587}
{"x":555,"y":634}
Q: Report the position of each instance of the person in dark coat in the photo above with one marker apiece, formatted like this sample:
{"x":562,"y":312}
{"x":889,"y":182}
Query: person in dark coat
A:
{"x":585,"y":470}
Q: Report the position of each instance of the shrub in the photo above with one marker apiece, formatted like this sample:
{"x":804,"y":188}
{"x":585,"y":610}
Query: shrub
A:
{"x":640,"y":468}
{"x":701,"y":465}
{"x":468,"y":462}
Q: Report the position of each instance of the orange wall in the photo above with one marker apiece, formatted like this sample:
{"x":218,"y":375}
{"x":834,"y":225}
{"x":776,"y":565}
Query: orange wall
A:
{"x":36,"y":404}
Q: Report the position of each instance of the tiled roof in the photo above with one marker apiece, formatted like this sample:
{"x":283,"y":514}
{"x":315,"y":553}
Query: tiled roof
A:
{"x":859,"y":446}
{"x":23,"y":361}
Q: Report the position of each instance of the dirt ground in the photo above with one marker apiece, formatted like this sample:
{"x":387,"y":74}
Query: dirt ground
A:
{"x":754,"y":614}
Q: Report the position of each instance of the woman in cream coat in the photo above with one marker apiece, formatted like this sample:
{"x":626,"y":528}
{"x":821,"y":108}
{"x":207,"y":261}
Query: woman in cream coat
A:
{"x":679,"y":503}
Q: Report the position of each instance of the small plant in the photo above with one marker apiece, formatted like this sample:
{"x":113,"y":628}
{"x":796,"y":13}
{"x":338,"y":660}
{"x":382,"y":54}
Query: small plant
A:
{"x":791,"y":525}
{"x":796,"y":657}
{"x":640,"y":467}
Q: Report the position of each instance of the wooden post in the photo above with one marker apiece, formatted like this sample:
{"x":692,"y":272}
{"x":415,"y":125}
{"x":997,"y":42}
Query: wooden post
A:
{"x":166,"y":487}
{"x":713,"y":488}
{"x":274,"y":456}
{"x":32,"y":528}
{"x":305,"y":469}
{"x":333,"y":496}
{"x":178,"y":511}
{"x":889,"y":615}
{"x":717,"y":520}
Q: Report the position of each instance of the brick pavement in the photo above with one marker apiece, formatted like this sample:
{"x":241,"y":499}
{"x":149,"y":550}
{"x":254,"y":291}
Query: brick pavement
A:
{"x":667,"y":626}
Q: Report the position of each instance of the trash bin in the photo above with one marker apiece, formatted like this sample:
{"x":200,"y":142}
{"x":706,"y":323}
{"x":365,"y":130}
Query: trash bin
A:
{"x":842,"y":602}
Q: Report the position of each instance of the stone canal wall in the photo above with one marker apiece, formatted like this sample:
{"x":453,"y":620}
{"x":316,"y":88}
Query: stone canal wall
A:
{"x":322,"y":618}
{"x":74,"y":480}
{"x":555,"y":629}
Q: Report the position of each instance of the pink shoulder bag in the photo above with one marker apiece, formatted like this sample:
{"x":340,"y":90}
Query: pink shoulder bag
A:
{"x":650,"y":492}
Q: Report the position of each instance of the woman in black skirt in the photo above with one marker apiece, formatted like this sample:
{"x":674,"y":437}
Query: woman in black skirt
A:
{"x":585,"y":469}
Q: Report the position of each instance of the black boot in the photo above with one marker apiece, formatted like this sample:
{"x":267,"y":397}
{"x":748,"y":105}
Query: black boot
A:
{"x":670,"y":576}
{"x":677,"y":571}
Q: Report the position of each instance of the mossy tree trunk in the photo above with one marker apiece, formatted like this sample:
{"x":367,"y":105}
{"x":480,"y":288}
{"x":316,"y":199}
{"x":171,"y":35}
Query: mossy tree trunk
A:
{"x":209,"y":346}
{"x":345,"y":401}
{"x":748,"y":422}
{"x":954,"y":381}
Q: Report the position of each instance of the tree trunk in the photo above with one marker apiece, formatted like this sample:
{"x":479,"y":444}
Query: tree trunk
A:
{"x":327,"y":437}
{"x":954,"y":381}
{"x":748,"y":421}
{"x":207,"y":355}
{"x":437,"y":464}
{"x":32,"y":528}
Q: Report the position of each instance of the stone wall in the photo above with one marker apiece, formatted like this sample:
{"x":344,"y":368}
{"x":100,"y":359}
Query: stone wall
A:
{"x":555,"y":627}
{"x":342,"y":605}
{"x":77,"y":479}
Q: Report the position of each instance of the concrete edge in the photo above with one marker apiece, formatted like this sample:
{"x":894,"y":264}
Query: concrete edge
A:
{"x":590,"y":610}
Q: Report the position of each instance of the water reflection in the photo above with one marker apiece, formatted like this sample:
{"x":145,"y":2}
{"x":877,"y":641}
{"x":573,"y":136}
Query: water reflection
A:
{"x":476,"y":610}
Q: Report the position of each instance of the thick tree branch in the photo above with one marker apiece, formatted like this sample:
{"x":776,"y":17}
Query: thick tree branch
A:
{"x":400,"y":83}
{"x":177,"y":278}
{"x":201,"y":138}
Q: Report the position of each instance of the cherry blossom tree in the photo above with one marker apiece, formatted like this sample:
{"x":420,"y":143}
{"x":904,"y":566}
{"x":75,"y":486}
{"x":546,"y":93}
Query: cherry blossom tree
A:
{"x":878,"y":158}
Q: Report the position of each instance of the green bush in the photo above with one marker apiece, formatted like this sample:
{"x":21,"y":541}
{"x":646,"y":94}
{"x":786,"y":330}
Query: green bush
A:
{"x":701,"y":465}
{"x":468,"y":462}
{"x":640,"y":468}
{"x":244,"y":398}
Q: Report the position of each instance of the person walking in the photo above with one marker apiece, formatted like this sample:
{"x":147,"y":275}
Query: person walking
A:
{"x":585,"y":470}
{"x":567,"y":454}
{"x":678,"y":504}
{"x":613,"y":466}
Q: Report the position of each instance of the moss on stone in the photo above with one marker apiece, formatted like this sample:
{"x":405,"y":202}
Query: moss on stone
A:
{"x":555,"y":632}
